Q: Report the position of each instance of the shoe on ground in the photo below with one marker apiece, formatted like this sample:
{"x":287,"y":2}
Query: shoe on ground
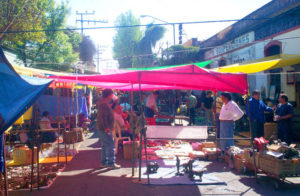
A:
{"x":103,"y":166}
{"x":114,"y":166}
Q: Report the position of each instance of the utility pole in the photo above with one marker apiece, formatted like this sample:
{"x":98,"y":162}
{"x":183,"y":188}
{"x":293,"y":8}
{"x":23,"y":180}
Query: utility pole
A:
{"x":180,"y":33}
{"x":82,"y":21}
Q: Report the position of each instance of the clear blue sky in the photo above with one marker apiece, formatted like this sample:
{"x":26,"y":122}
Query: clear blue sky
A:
{"x":168,"y":10}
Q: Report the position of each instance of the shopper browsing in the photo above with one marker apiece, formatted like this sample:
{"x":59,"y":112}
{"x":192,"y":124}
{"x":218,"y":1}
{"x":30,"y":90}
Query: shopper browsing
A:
{"x":229,"y":113}
{"x":105,"y":124}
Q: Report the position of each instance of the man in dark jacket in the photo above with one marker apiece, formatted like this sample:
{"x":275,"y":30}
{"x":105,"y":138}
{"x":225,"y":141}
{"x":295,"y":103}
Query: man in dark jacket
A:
{"x":284,"y":114}
{"x":105,"y":123}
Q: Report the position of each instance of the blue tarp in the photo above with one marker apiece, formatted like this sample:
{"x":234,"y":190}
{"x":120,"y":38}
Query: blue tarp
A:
{"x":17,"y":94}
{"x":50,"y":103}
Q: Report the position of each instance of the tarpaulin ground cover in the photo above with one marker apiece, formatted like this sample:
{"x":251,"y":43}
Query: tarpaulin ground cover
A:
{"x":16,"y":95}
{"x":181,"y":77}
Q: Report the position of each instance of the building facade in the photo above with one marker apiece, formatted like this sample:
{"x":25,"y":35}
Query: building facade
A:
{"x":271,"y":30}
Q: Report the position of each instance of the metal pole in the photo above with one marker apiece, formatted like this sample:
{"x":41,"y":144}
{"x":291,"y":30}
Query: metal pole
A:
{"x":58,"y":125}
{"x":143,"y":125}
{"x":174,"y":34}
{"x":4,"y":164}
{"x":64,"y":109}
{"x":133,"y":133}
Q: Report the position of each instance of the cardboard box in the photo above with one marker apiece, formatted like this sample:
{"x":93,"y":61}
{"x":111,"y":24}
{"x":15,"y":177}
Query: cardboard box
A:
{"x":209,"y":145}
{"x":23,"y":155}
{"x":270,"y":129}
{"x":229,"y":161}
{"x":127,"y":149}
{"x":239,"y":162}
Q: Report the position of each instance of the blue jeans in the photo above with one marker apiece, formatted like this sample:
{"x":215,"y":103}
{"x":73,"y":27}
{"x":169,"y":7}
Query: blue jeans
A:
{"x":226,"y":131}
{"x":108,"y":148}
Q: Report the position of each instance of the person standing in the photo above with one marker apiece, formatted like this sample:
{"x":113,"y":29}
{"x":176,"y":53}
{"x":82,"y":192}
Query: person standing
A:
{"x":150,"y":106}
{"x":192,"y":103}
{"x":219,"y":104}
{"x":207,"y":106}
{"x":284,"y":113}
{"x":105,"y":124}
{"x":229,"y":113}
{"x":257,"y":114}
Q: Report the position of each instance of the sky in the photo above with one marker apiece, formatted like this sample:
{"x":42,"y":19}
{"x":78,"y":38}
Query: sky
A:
{"x":166,"y":10}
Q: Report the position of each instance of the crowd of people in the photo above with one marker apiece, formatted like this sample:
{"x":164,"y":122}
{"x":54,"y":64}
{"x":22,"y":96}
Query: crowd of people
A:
{"x":221,"y":111}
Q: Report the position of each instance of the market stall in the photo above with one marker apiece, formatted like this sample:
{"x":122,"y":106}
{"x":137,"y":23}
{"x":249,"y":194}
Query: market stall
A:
{"x":183,"y":77}
{"x":16,"y":95}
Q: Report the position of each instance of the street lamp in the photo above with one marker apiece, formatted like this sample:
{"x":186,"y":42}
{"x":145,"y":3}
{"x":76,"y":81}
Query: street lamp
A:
{"x":144,"y":16}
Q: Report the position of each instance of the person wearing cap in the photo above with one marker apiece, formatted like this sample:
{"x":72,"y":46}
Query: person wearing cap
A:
{"x":105,"y":125}
{"x":230,"y":112}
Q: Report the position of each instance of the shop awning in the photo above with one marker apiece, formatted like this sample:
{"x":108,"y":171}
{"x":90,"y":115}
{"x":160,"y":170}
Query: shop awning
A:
{"x":263,"y":64}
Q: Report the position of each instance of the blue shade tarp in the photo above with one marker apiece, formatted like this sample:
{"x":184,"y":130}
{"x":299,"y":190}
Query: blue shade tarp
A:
{"x":17,"y":94}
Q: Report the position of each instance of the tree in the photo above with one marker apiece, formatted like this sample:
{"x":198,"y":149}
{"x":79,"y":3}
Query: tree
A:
{"x":87,"y":49}
{"x":20,"y":15}
{"x":54,"y":49}
{"x":179,"y":54}
{"x":144,"y":47}
{"x":126,"y":39}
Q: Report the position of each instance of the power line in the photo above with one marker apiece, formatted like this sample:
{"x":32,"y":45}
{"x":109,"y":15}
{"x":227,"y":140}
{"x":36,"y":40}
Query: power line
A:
{"x":132,"y":26}
{"x":173,"y":52}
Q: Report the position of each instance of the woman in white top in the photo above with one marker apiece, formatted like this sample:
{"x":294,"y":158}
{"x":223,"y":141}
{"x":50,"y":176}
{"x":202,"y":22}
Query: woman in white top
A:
{"x":230,"y":112}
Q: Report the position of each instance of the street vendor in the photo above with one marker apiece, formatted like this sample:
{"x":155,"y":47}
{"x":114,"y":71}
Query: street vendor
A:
{"x":257,"y":114}
{"x":230,"y":112}
{"x":105,"y":124}
{"x":151,"y":106}
{"x":284,"y":113}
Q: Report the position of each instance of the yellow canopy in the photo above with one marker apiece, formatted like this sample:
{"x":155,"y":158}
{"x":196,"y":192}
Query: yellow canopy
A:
{"x":263,"y":64}
{"x":28,"y":71}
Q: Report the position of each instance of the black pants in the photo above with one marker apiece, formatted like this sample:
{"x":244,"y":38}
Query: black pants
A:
{"x":149,"y":113}
{"x":257,"y":129}
{"x":192,"y":114}
{"x":284,"y":131}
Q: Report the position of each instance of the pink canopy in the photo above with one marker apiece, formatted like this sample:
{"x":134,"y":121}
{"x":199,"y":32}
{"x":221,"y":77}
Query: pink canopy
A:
{"x":181,"y":77}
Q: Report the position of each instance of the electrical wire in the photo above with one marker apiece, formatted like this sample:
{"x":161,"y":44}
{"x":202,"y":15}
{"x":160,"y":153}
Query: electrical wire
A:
{"x":132,"y":26}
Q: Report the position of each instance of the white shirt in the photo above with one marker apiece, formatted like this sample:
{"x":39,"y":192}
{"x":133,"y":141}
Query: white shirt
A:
{"x":151,"y":101}
{"x":231,"y":111}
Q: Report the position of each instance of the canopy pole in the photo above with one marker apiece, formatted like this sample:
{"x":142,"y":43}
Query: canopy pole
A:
{"x":65,"y":124}
{"x":133,"y":133}
{"x":143,"y":121}
{"x":4,"y":165}
{"x":215,"y":113}
{"x":58,"y":126}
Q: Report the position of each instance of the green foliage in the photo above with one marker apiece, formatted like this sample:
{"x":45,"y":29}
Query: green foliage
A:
{"x":126,"y":39}
{"x":87,"y":49}
{"x":179,"y":54}
{"x":144,"y":47}
{"x":49,"y":49}
{"x":20,"y":15}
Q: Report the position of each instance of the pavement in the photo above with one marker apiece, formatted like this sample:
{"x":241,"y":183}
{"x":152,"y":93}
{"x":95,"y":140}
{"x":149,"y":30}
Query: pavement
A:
{"x":82,"y":176}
